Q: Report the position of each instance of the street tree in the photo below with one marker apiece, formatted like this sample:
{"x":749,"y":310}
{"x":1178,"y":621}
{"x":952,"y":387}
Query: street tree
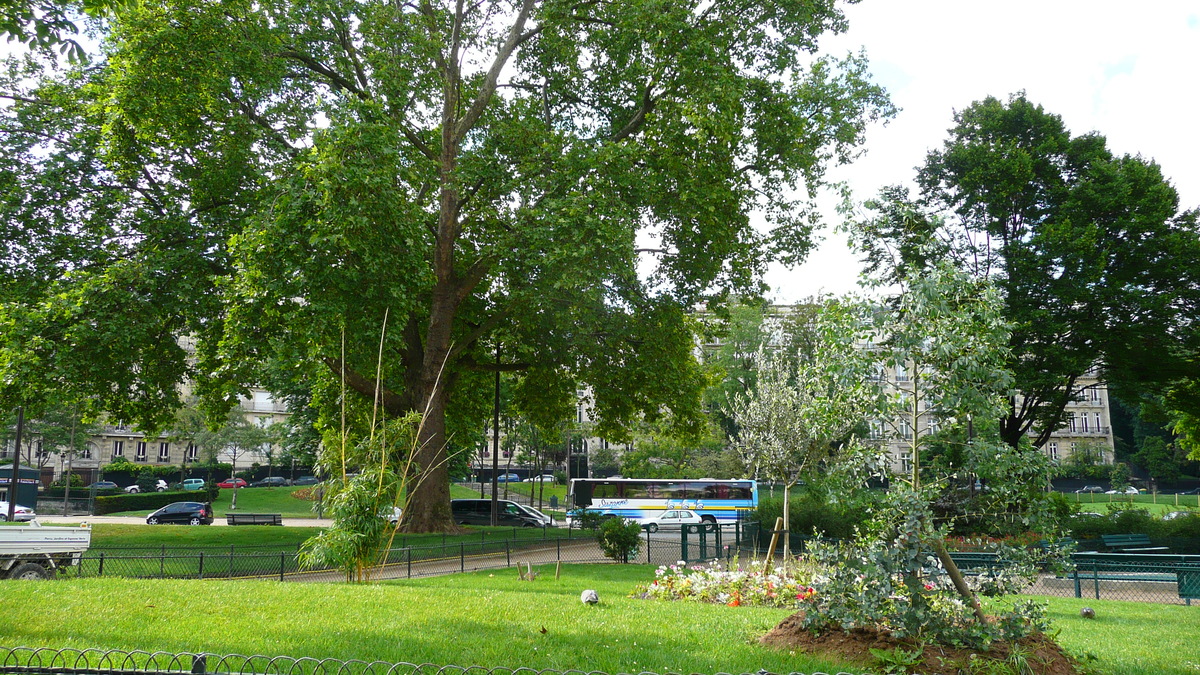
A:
{"x":1090,"y":251}
{"x":799,"y":420}
{"x":303,"y":188}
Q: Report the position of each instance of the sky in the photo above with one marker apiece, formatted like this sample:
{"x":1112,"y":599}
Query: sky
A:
{"x":1125,"y":70}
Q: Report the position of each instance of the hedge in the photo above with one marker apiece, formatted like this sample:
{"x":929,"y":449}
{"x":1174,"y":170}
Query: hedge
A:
{"x":148,"y":500}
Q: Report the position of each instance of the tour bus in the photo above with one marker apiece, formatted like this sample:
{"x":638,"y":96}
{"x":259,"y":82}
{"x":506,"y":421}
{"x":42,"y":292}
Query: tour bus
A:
{"x":638,"y":499}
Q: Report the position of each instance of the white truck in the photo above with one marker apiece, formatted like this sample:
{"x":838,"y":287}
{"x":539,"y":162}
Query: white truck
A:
{"x":31,"y":551}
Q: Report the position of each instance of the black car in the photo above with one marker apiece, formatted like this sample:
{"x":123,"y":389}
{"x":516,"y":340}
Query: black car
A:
{"x":479,"y":512}
{"x":103,"y":485}
{"x":270,"y":481}
{"x":190,"y":513}
{"x":306,"y":480}
{"x":1193,"y":491}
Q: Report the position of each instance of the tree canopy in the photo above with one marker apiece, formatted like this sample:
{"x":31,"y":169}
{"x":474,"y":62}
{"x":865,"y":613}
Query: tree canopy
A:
{"x":374,"y":196}
{"x":1092,"y":254}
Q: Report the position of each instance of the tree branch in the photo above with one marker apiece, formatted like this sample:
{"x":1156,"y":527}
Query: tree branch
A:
{"x":484,"y":97}
{"x":392,"y":402}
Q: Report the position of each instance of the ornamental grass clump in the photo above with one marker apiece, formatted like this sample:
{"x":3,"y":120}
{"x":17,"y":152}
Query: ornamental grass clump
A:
{"x":731,"y":585}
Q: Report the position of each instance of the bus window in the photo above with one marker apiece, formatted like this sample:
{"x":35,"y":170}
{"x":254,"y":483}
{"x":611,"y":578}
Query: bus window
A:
{"x":606,"y":490}
{"x":636,"y":491}
{"x":673,"y":491}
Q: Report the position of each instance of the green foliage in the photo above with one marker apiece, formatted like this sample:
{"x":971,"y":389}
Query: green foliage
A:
{"x":361,"y":503}
{"x":145,"y":501}
{"x":619,"y":540}
{"x":1159,"y":459}
{"x":811,"y":514}
{"x":898,"y":659}
{"x":315,"y":170}
{"x":892,"y":580}
{"x":1068,"y":232}
{"x":1119,"y":476}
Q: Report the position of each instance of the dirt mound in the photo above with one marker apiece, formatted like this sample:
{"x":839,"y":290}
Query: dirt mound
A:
{"x":1041,"y":654}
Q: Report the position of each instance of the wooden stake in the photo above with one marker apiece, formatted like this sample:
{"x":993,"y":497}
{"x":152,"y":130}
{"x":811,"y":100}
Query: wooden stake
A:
{"x":774,"y":541}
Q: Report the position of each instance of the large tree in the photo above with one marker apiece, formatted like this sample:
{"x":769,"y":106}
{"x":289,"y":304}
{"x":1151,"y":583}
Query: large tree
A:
{"x":382,"y":197}
{"x":1093,"y":256}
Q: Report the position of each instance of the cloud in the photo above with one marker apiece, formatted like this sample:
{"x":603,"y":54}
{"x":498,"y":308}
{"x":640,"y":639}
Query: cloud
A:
{"x":1125,"y":74}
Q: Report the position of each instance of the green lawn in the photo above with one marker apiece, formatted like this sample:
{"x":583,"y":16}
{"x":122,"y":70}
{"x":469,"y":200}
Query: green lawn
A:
{"x":493,"y":620}
{"x":1160,"y":503}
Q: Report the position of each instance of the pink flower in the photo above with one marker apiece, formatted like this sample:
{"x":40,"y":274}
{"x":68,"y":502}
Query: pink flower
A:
{"x":929,"y":587}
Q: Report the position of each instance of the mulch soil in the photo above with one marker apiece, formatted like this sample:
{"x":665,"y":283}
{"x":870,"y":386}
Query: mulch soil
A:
{"x":1043,"y":655}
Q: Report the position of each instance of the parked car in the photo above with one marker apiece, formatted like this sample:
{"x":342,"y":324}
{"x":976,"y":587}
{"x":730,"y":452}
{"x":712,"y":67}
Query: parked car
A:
{"x":306,"y":480}
{"x":230,"y":483}
{"x":508,"y":478}
{"x":193,"y":483}
{"x":393,"y":515}
{"x":103,"y":485}
{"x":547,"y":521}
{"x":1089,"y":488}
{"x":544,"y":478}
{"x":1127,"y":491}
{"x":479,"y":512}
{"x":159,"y":486}
{"x":1178,"y":514}
{"x":190,"y":513}
{"x":1193,"y":491}
{"x":271,"y":481}
{"x":673,"y":519}
{"x":20,"y":513}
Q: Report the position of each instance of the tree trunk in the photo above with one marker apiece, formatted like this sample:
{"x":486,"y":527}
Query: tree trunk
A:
{"x":428,"y":505}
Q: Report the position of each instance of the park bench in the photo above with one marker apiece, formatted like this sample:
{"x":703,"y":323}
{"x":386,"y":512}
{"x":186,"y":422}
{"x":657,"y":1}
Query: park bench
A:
{"x":254,"y":518}
{"x":1130,"y":543}
{"x":973,"y":562}
{"x":1189,"y":582}
{"x":1183,"y":570}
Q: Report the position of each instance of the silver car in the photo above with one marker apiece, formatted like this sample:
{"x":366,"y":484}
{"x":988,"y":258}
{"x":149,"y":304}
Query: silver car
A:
{"x":21,"y":513}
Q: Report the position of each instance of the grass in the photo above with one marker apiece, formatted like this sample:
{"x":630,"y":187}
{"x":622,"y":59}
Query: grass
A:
{"x":139,"y":551}
{"x":1155,"y":503}
{"x":495,"y":620}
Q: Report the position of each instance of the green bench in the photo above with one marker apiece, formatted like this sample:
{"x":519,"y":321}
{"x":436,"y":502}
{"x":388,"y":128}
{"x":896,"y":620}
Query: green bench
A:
{"x":1130,"y":543}
{"x":1189,"y":582}
{"x":1183,"y":570}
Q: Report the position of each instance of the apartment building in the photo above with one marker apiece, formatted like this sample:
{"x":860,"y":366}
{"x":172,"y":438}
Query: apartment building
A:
{"x":117,"y":439}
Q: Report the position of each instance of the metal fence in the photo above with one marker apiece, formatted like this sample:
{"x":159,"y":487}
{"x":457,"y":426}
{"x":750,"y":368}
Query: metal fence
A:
{"x":43,"y":661}
{"x":417,"y":560}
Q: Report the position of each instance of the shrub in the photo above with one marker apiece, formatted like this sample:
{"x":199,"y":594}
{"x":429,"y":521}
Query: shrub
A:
{"x":809,"y":514}
{"x":619,"y":539}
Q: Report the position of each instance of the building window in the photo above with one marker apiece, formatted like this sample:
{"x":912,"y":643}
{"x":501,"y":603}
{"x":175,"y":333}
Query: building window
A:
{"x":41,"y":451}
{"x":164,"y":452}
{"x":876,"y":431}
{"x":192,"y":452}
{"x":86,"y":452}
{"x":1099,"y":429}
{"x":1083,"y":423}
{"x":264,"y":421}
{"x":141,"y":451}
{"x":905,"y":430}
{"x":906,"y":462}
{"x":1071,"y":422}
{"x":901,"y":373}
{"x":118,"y":449}
{"x":932,"y":423}
{"x":120,"y":425}
{"x":1053,"y":450}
